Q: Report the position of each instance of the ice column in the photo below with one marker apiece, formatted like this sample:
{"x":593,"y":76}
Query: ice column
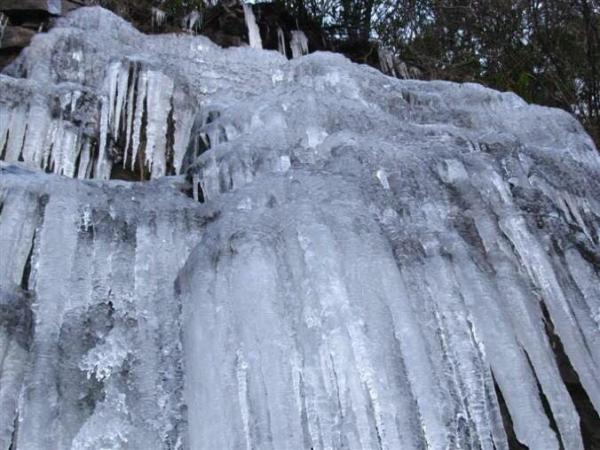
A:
{"x":253,"y":31}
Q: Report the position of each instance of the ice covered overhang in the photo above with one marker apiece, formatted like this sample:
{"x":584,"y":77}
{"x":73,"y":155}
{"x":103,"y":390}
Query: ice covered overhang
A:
{"x":376,"y":263}
{"x":123,"y":106}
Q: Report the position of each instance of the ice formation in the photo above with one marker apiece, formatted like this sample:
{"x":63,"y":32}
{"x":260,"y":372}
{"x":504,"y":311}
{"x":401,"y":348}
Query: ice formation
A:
{"x":299,"y":44}
{"x":390,"y":64}
{"x":192,"y":22}
{"x":281,"y":42}
{"x":254,"y":38}
{"x":159,"y":17}
{"x":375,"y":263}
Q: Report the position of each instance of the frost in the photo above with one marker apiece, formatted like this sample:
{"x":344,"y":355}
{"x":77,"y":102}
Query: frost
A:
{"x":103,"y":360}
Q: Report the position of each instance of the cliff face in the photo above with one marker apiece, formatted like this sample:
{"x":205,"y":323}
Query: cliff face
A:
{"x":319,"y":256}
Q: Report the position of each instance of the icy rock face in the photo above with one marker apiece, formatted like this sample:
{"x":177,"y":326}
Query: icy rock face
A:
{"x":125,"y":101}
{"x":93,"y":264}
{"x":378,"y":263}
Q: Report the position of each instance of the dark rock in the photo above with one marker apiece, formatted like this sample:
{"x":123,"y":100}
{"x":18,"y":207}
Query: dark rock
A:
{"x":16,"y":316}
{"x":48,"y":6}
{"x":16,"y":37}
{"x":7,"y":56}
{"x":225,"y":25}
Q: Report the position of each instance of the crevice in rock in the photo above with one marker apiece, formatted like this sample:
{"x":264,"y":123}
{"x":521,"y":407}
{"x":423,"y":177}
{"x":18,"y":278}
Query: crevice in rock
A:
{"x":196,"y":191}
{"x":13,"y":439}
{"x":27,"y":267}
{"x":170,"y":143}
{"x":3,"y":149}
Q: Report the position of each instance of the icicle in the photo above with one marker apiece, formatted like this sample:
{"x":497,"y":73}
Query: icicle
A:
{"x":102,"y":169}
{"x":50,"y":138}
{"x":111,"y":85}
{"x":386,"y":61}
{"x":192,"y":22}
{"x":58,"y":241}
{"x":140,"y":107}
{"x":253,"y":31}
{"x":17,"y":230}
{"x":281,"y":42}
{"x":36,"y":142}
{"x":14,"y":362}
{"x":129,"y":113}
{"x":57,"y":148}
{"x":391,"y":65}
{"x":383,"y":315}
{"x":159,"y":17}
{"x":184,"y":122}
{"x":122,"y":84}
{"x":299,"y":44}
{"x":84,"y":161}
{"x":3,"y":25}
{"x":160,"y":92}
{"x":402,"y":70}
{"x":69,"y":151}
{"x":103,"y":164}
{"x":562,"y":312}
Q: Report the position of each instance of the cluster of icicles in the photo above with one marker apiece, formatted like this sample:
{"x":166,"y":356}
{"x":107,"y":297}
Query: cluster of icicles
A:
{"x":298,"y":41}
{"x":192,"y":23}
{"x":134,"y":119}
{"x":145,"y":123}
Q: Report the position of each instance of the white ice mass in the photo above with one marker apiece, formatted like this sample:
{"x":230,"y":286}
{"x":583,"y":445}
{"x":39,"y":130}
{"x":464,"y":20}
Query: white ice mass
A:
{"x":375,"y":264}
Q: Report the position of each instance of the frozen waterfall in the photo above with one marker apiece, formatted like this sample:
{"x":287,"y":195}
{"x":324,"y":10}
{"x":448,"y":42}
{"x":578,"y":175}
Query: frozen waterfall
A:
{"x":318,"y":256}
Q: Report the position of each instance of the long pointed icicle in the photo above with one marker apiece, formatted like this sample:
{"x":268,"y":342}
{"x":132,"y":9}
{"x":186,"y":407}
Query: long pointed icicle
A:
{"x":140,"y":109}
{"x":160,"y":92}
{"x":254,"y":38}
{"x":129,"y":115}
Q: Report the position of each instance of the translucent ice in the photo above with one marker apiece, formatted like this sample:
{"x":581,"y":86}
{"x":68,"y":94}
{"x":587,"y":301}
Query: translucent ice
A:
{"x":322,"y":257}
{"x":299,"y":43}
{"x":254,"y":38}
